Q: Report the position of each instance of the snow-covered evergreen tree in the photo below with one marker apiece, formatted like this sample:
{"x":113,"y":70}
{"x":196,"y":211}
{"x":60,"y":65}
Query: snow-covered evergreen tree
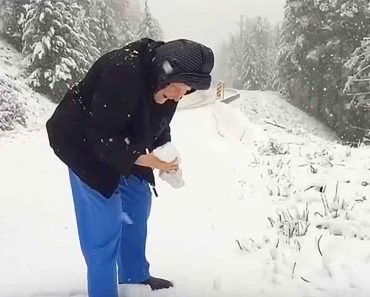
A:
{"x":233,"y":60}
{"x":56,"y":49}
{"x":84,"y":23}
{"x":12,"y":15}
{"x":359,"y":67}
{"x":127,"y":32}
{"x":318,"y":37}
{"x":102,"y":25}
{"x":274,"y":56}
{"x":262,"y":37}
{"x":294,"y":73}
{"x":248,"y":68}
{"x":249,"y":60}
{"x":358,"y":89}
{"x":150,"y":26}
{"x":254,"y":69}
{"x":126,"y":19}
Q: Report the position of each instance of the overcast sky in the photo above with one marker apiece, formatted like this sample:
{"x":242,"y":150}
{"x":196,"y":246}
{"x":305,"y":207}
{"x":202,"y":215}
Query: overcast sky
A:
{"x":210,"y":21}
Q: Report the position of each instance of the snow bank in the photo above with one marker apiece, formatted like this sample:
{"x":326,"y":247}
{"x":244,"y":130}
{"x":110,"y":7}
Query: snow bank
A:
{"x":318,"y":240}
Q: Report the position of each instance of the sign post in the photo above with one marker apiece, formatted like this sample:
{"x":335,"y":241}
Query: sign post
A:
{"x":220,"y":91}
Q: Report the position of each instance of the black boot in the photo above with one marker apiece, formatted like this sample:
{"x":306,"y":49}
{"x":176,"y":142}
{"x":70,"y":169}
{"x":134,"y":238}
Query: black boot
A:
{"x":157,"y":283}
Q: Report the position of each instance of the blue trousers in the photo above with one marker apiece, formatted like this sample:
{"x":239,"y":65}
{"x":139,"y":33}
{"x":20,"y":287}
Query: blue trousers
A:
{"x":113,"y":233}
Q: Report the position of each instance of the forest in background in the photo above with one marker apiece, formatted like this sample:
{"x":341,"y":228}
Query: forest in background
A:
{"x":60,"y":39}
{"x":318,"y":58}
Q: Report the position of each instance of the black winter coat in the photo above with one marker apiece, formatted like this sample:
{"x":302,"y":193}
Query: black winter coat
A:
{"x":104,"y":123}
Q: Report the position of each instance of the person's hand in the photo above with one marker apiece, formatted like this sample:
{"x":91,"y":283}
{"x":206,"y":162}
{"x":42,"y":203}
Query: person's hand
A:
{"x":149,"y":160}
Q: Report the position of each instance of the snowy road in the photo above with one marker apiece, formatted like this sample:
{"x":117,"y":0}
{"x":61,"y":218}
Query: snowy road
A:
{"x":204,"y":98}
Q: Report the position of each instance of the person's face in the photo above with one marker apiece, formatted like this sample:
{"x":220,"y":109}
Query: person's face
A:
{"x":174,"y":91}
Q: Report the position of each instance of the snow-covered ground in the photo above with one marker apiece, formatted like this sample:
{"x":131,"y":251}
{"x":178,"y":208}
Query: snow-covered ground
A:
{"x":272,"y":206}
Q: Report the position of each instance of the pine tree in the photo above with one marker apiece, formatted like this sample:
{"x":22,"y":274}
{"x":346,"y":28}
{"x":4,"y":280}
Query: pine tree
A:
{"x":234,"y":59}
{"x":84,"y":23}
{"x":126,"y":21}
{"x":150,"y":26}
{"x":247,"y":66}
{"x":318,"y":36}
{"x":12,"y":15}
{"x":98,"y":16}
{"x":254,"y":68}
{"x":249,"y":61}
{"x":261,"y":35}
{"x":359,"y":67}
{"x":358,"y":89}
{"x":348,"y":23}
{"x":55,"y":46}
{"x":262,"y":38}
{"x":127,"y":32}
{"x":274,"y":55}
{"x":102,"y":25}
{"x":297,"y":75}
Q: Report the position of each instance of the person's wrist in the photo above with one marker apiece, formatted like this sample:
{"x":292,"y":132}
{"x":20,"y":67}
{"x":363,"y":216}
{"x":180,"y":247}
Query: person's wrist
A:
{"x":142,"y":160}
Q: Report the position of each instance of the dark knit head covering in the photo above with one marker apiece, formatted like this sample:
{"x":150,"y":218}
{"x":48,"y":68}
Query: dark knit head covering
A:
{"x":183,"y":61}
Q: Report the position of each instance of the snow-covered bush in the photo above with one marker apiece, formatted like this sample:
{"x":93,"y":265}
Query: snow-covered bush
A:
{"x":12,"y":112}
{"x":274,"y":148}
{"x":291,"y":223}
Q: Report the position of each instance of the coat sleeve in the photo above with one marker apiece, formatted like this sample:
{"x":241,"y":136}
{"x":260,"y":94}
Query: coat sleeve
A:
{"x":107,"y":126}
{"x":163,"y":138}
